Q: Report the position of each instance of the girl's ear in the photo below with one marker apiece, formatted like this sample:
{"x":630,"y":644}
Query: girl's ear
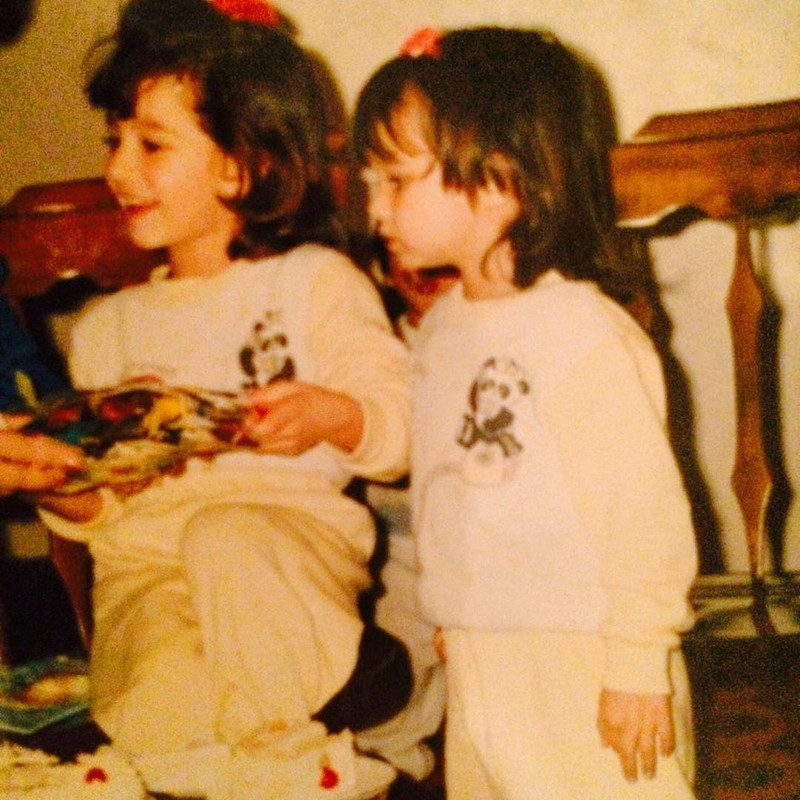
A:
{"x":232,"y":181}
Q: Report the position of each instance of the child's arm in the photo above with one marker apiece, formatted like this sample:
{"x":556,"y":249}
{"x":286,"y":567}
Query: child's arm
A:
{"x":80,"y":507}
{"x":636,"y":726}
{"x":290,"y":417}
{"x":608,"y":415}
{"x":356,"y":396}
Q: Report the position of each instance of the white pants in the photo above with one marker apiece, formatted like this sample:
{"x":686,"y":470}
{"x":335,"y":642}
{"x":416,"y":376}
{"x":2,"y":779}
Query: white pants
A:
{"x":521,"y":724}
{"x":253,"y":624}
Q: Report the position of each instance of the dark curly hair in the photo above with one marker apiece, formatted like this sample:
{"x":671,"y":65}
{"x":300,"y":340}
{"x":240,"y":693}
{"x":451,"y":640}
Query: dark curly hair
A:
{"x":258,"y":97}
{"x":515,"y":107}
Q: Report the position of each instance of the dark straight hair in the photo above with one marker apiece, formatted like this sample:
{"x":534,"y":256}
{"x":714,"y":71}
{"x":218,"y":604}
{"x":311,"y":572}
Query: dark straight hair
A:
{"x":518,"y":108}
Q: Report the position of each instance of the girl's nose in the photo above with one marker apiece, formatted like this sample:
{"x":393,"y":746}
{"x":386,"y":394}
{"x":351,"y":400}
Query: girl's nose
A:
{"x":118,"y":169}
{"x":377,"y":207}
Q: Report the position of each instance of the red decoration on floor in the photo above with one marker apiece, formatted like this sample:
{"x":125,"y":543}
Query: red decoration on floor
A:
{"x":329,"y":779}
{"x":95,"y":775}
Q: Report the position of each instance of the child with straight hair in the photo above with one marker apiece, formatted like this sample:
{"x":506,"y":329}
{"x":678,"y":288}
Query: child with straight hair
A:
{"x":226,"y":597}
{"x":553,"y":531}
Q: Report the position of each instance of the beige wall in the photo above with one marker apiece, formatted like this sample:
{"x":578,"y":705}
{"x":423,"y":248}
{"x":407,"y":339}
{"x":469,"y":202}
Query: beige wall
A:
{"x":658,"y":56}
{"x":47,"y":132}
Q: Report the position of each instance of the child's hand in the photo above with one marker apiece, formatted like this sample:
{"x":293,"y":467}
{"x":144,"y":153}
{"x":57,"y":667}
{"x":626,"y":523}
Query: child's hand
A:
{"x":84,"y":506}
{"x":636,"y":726}
{"x":290,"y":417}
{"x":131,"y":488}
{"x":78,"y":507}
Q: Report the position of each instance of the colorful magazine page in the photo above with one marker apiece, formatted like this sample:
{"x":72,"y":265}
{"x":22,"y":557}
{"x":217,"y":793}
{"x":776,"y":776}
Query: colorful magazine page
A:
{"x":139,"y":430}
{"x":41,"y":693}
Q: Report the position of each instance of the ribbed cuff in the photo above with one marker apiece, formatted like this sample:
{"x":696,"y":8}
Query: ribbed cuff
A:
{"x":637,"y":668}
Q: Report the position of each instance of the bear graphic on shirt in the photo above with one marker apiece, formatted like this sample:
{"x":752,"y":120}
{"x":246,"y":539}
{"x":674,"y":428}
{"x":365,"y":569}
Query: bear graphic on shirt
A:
{"x":266,"y":357}
{"x":488,"y":428}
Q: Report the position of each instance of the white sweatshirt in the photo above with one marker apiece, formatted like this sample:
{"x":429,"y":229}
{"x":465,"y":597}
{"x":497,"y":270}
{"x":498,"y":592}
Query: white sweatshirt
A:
{"x":545,"y":491}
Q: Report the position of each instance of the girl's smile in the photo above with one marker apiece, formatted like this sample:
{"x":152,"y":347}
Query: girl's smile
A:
{"x":132,"y":211}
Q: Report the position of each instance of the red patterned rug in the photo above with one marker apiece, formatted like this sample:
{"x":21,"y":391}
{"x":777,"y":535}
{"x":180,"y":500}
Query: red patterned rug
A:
{"x":747,"y":708}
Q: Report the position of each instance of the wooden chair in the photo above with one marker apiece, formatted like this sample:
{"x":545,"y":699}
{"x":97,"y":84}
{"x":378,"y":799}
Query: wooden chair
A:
{"x":737,"y":165}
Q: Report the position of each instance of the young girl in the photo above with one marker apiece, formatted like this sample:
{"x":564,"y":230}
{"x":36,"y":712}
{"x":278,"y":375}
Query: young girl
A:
{"x":225,"y":598}
{"x":554,"y":534}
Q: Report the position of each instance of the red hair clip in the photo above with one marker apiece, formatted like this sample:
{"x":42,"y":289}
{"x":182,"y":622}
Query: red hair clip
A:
{"x":424,"y":42}
{"x":257,"y":11}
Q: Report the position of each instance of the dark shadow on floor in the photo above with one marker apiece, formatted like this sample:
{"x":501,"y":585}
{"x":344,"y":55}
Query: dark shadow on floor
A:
{"x":36,"y":614}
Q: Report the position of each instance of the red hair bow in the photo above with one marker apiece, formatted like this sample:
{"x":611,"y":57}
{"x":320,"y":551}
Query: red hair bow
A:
{"x":424,"y":42}
{"x":258,"y":11}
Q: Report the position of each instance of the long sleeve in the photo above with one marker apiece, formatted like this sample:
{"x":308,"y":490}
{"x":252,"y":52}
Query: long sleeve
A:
{"x":360,"y":356}
{"x":609,"y":419}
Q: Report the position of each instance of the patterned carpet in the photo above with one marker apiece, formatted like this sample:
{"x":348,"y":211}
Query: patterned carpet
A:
{"x":747,"y":708}
{"x":746,"y":695}
{"x":747,"y":713}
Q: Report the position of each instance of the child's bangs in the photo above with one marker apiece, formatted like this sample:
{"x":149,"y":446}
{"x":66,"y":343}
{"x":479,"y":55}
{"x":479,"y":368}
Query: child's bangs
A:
{"x":116,"y":84}
{"x":393,"y":117}
{"x":407,"y":131}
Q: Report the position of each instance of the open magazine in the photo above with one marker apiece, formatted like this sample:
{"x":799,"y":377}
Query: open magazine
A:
{"x":41,"y":693}
{"x":139,"y":430}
